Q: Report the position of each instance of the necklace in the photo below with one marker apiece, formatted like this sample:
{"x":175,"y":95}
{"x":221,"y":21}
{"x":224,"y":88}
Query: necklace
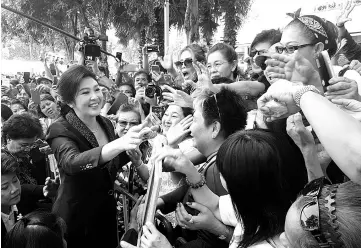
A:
{"x":96,"y":130}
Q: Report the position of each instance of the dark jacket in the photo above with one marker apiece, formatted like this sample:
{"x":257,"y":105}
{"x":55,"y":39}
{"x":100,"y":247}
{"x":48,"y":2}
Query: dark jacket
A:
{"x":85,"y":196}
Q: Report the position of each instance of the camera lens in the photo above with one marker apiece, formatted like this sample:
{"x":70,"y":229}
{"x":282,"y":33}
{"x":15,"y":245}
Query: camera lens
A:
{"x":150,"y":91}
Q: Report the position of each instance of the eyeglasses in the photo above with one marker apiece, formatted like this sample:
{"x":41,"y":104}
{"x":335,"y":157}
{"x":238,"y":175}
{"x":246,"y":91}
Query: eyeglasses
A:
{"x":257,"y":52}
{"x":219,"y":112}
{"x":310,"y":213}
{"x":291,"y":49}
{"x":187,"y":62}
{"x":215,"y":65}
{"x":125,"y":124}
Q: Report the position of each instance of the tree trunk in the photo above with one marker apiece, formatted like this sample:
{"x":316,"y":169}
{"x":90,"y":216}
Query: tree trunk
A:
{"x":187,"y":25}
{"x":230,"y":26}
{"x":159,"y":26}
{"x":142,"y":41}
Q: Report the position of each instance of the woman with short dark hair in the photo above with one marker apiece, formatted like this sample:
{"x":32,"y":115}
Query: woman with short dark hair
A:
{"x":89,"y":156}
{"x":38,"y":229}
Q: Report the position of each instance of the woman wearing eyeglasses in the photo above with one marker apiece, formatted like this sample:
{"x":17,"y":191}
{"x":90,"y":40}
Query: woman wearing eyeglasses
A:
{"x":309,"y":35}
{"x":222,"y":61}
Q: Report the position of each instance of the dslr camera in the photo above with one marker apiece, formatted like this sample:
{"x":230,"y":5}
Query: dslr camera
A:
{"x":89,"y":46}
{"x":153,"y":90}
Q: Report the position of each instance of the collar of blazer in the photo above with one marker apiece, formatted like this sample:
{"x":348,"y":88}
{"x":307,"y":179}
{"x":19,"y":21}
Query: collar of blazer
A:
{"x":74,"y":120}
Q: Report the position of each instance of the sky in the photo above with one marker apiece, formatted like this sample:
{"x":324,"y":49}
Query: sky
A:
{"x":267,"y":14}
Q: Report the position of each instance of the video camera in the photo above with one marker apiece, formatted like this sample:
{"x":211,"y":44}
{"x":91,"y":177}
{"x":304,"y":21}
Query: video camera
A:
{"x":89,"y":46}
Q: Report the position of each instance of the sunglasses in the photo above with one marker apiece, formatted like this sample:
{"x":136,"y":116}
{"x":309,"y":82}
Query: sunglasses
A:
{"x":291,"y":49}
{"x":310,"y":213}
{"x":187,"y":62}
{"x":257,"y":52}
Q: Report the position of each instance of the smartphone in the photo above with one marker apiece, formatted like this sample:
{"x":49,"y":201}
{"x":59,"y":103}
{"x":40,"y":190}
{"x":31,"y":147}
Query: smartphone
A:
{"x":35,"y":96}
{"x":118,"y":55}
{"x":158,"y":111}
{"x":120,"y":100}
{"x":324,"y":65}
{"x":27,"y":77}
{"x":52,"y":69}
{"x":155,"y":68}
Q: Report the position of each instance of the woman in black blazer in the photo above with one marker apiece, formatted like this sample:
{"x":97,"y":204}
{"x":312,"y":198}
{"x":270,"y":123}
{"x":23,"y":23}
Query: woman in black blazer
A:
{"x":88,"y":155}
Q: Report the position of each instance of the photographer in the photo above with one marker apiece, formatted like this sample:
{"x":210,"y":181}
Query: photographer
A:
{"x":141,"y":82}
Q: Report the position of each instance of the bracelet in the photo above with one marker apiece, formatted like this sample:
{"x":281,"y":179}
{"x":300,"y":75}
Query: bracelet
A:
{"x":201,"y":183}
{"x":141,"y":163}
{"x":299,"y":93}
{"x":340,"y":25}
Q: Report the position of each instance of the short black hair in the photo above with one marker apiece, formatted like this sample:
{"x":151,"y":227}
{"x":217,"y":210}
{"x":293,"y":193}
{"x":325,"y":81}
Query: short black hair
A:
{"x":42,"y":79}
{"x":140,"y":72}
{"x":226,"y":107}
{"x":271,"y":36}
{"x":256,"y":167}
{"x":8,"y":163}
{"x":18,"y":102}
{"x":22,"y":126}
{"x":69,"y":82}
{"x":124,"y":108}
{"x":5,"y":112}
{"x":38,"y":229}
{"x":131,"y":87}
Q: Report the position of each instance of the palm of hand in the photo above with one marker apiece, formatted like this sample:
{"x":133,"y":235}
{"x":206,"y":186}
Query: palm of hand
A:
{"x":167,"y":62}
{"x":183,"y":99}
{"x":175,"y":134}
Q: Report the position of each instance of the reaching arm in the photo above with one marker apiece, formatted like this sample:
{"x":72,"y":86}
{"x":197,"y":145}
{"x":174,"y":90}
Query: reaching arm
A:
{"x":339,"y":133}
{"x":253,"y":88}
{"x":48,"y":71}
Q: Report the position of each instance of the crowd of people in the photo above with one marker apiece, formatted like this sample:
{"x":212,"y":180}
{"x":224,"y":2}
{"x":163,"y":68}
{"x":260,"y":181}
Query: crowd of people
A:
{"x":270,"y":157}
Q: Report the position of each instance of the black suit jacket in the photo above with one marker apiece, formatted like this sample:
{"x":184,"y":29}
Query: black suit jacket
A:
{"x":85,"y":199}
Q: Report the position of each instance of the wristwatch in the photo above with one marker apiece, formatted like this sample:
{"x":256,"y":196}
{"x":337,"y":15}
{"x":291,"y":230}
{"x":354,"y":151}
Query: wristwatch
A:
{"x":299,"y":93}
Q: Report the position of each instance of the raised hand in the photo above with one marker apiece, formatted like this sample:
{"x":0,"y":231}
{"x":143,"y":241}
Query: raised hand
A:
{"x":293,"y":68}
{"x":204,"y":78}
{"x":51,"y":187}
{"x":342,"y":88}
{"x":174,"y":159}
{"x":179,"y":131}
{"x":298,"y":132}
{"x":178,"y":97}
{"x":167,"y":60}
{"x":43,"y":88}
{"x":343,"y":18}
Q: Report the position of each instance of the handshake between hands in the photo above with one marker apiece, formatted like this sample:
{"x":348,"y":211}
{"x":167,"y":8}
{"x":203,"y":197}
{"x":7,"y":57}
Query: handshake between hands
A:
{"x":293,"y":73}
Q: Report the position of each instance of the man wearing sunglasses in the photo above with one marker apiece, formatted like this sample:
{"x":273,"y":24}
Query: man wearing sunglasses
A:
{"x":259,"y":47}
